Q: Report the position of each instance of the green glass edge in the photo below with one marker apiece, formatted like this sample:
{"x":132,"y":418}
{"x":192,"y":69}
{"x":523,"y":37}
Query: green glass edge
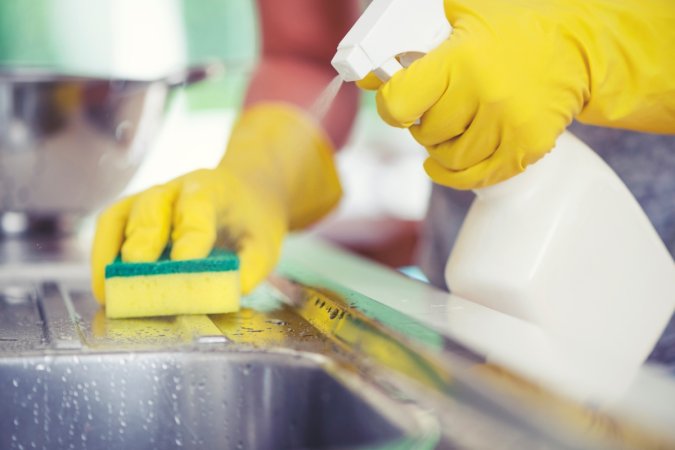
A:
{"x":370,"y":307}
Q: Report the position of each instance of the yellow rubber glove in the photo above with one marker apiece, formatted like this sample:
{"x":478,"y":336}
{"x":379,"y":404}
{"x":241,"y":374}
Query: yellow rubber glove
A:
{"x":494,"y":97}
{"x":277,"y":175}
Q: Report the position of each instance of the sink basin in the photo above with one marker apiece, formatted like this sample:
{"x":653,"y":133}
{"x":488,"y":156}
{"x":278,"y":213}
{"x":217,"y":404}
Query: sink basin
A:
{"x":238,"y":400}
{"x":305,"y":364}
{"x":262,"y":378}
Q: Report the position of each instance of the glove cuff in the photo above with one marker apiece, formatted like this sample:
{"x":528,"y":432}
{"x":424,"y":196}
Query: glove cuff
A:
{"x":283,"y":152}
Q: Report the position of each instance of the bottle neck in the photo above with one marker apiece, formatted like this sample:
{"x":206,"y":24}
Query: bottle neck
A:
{"x":567,"y":157}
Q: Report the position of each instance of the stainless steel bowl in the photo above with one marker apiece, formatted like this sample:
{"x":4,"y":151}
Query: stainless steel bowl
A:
{"x":70,"y":144}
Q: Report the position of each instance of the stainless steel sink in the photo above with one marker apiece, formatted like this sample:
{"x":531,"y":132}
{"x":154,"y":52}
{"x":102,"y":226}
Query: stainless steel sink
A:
{"x":306,"y":364}
{"x":251,"y":400}
{"x":263,"y":378}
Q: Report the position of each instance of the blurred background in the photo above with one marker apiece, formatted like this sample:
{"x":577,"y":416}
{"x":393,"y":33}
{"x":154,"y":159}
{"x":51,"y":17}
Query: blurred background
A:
{"x":385,"y":187}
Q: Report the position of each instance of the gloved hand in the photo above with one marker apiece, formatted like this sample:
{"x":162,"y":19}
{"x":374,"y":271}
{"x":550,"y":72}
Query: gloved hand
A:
{"x":494,"y":97}
{"x":277,"y":175}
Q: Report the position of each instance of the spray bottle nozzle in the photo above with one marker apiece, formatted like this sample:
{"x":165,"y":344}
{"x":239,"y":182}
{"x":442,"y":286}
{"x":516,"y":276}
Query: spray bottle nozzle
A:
{"x":352,"y":63}
{"x":387,"y":30}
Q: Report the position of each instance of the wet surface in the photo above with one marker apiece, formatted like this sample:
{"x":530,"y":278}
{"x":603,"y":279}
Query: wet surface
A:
{"x":260,"y":378}
{"x":306,"y":363}
{"x":186,"y":400}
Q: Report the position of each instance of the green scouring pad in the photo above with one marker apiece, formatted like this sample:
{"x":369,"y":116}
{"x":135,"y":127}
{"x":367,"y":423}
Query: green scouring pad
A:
{"x":166,"y":288}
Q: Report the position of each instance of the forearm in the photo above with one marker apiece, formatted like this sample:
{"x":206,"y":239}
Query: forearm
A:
{"x":632,"y":78}
{"x":300,"y":83}
{"x":298,"y":42}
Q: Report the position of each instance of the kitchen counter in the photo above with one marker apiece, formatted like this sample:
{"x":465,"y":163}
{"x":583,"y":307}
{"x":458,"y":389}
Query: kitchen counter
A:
{"x":645,"y":396}
{"x":332,"y":351}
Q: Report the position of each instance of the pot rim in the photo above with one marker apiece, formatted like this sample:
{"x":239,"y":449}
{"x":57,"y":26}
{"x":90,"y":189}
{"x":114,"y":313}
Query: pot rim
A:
{"x":38,"y":74}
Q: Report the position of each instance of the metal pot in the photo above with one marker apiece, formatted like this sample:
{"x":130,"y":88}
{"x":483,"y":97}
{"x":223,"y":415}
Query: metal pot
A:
{"x":70,"y":144}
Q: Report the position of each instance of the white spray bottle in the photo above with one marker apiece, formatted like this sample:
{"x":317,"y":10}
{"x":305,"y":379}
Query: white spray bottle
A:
{"x":563,"y":246}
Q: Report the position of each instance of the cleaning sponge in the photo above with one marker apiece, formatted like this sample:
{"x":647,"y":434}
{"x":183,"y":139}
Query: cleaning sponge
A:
{"x":166,"y":287}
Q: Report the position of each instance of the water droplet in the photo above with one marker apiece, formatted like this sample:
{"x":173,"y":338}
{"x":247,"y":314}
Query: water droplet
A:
{"x":277,"y":322}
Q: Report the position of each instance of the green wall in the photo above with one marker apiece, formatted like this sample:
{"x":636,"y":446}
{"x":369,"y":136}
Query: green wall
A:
{"x":23,"y":33}
{"x":224,"y":29}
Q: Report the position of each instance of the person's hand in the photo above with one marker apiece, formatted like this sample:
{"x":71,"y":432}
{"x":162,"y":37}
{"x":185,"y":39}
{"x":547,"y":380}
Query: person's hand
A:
{"x":495,"y":96}
{"x":191,"y":211}
{"x":277,"y":174}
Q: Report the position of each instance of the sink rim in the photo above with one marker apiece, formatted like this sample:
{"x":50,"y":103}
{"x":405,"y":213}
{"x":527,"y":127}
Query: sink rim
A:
{"x":414,"y":424}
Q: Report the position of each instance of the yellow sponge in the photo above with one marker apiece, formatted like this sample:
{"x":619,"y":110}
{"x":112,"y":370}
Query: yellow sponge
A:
{"x":167,"y":288}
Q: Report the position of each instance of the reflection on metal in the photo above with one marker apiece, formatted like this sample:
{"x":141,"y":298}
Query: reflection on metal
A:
{"x":463,"y":388}
{"x":191,"y":400}
{"x":261,"y":378}
{"x":305,"y":363}
{"x":70,"y":144}
{"x":356,"y":332}
{"x":60,"y":319}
